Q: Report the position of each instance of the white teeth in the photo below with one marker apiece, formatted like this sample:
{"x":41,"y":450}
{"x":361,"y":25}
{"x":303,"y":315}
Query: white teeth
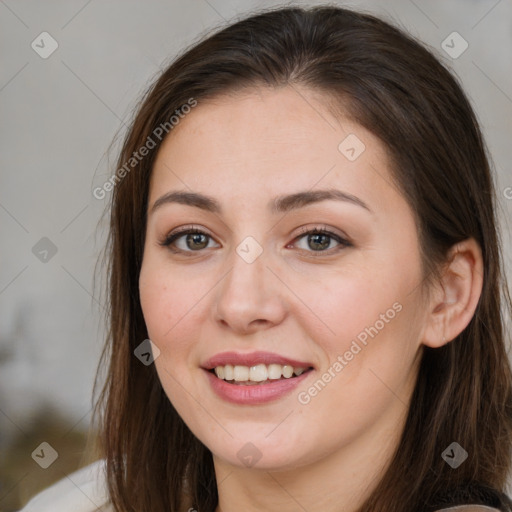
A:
{"x":257,"y":373}
{"x":241,"y":373}
{"x":228,"y":372}
{"x":287,"y":371}
{"x":274,"y":371}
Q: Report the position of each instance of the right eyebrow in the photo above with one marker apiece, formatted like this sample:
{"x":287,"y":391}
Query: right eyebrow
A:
{"x":188,"y":198}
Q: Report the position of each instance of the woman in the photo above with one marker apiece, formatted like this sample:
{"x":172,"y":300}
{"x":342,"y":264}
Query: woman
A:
{"x":303,"y":224}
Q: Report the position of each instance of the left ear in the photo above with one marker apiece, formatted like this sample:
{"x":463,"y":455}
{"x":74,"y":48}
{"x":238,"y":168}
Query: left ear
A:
{"x":453,"y":303}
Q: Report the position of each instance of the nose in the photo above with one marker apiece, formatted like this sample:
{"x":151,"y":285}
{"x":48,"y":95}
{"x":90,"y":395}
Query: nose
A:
{"x":250,"y":297}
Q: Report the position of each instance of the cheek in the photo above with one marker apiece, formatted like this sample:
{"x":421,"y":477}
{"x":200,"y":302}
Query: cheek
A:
{"x":167,"y":307}
{"x":349,"y":301}
{"x":157,"y":304}
{"x":368,"y":317}
{"x":173,"y":305}
{"x":167,"y":300}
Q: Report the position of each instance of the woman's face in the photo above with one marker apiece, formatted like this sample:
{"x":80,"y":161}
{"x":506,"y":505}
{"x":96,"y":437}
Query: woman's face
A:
{"x":254,"y":289}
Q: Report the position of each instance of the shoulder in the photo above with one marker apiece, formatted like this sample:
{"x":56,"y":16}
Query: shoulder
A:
{"x":469,"y":508}
{"x":470,"y":496}
{"x":81,"y":491}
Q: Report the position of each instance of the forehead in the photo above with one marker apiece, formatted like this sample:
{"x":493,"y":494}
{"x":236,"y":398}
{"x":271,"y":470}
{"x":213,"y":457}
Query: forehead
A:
{"x":270,"y":141}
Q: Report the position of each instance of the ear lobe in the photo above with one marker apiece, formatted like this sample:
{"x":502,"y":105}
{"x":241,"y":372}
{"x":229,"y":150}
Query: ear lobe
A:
{"x":454,"y":302}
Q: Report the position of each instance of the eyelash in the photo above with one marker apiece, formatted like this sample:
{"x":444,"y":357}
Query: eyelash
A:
{"x":343,"y":243}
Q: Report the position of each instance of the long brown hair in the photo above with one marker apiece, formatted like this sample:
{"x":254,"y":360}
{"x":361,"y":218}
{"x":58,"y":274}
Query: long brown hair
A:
{"x":393,"y":86}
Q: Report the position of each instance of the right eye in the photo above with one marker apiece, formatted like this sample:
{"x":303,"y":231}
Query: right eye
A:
{"x":191,"y":240}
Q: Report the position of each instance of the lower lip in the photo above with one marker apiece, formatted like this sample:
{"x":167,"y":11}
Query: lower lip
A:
{"x":254,"y":394}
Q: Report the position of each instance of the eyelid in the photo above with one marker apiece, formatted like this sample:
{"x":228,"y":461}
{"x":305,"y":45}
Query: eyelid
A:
{"x":322,"y":228}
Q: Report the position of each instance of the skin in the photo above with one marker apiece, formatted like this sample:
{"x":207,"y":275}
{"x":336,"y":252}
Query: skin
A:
{"x":294,"y":299}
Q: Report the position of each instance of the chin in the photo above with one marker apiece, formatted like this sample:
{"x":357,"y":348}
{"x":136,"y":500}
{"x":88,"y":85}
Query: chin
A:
{"x":249,"y":458}
{"x":259,"y":452}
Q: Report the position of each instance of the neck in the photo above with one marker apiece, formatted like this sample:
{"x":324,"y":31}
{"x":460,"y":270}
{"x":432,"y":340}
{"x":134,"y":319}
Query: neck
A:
{"x":342,"y":480}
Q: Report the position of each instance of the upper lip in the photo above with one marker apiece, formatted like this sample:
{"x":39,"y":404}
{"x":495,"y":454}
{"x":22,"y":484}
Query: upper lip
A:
{"x":251,"y":359}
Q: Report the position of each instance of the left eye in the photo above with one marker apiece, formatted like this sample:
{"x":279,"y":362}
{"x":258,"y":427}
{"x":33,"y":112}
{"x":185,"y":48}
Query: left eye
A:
{"x":319,"y":240}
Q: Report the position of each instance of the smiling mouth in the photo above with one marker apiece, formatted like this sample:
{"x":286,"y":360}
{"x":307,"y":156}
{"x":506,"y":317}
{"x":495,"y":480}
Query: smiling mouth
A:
{"x":256,"y":375}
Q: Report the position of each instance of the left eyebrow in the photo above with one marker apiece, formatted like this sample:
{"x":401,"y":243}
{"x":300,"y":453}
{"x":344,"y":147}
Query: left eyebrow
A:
{"x":279,"y":204}
{"x":301,"y":199}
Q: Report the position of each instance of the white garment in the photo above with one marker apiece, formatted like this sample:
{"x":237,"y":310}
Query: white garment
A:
{"x":82,"y":491}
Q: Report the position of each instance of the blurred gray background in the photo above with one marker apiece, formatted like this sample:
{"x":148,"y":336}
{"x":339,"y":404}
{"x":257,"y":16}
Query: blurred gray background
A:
{"x":60,"y":111}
